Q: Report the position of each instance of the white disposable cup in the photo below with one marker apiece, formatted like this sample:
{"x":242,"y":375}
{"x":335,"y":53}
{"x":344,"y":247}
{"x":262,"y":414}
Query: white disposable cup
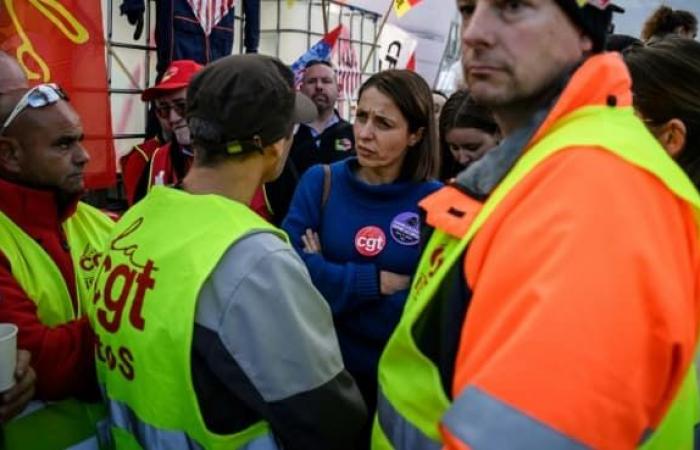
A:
{"x":8,"y":355}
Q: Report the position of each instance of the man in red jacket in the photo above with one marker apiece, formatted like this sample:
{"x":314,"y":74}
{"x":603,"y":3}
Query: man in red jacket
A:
{"x":49,"y":249}
{"x":154,"y":160}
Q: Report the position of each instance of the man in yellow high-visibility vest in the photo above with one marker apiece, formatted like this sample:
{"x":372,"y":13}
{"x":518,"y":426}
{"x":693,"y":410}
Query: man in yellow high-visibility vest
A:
{"x":50,"y":245}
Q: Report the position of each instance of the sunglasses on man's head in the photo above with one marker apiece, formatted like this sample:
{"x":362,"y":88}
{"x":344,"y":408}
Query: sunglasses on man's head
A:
{"x":36,"y":97}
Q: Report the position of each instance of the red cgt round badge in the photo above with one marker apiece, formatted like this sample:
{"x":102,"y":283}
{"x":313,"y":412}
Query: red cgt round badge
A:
{"x":370,"y":241}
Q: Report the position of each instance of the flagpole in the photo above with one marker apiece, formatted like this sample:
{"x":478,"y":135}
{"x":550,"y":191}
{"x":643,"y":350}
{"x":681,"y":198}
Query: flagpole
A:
{"x":325,"y":16}
{"x":376,"y":38}
{"x":122,"y":66}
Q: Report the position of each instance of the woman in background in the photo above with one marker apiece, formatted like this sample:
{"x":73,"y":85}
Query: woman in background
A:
{"x":666,"y":88}
{"x":666,"y":21}
{"x":467,"y":132}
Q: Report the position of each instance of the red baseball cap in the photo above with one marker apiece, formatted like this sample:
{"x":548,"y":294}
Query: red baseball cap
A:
{"x":177,"y":76}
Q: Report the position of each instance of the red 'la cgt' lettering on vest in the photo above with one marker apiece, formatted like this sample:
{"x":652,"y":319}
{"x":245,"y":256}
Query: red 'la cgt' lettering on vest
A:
{"x":118,"y":288}
{"x":125,"y":287}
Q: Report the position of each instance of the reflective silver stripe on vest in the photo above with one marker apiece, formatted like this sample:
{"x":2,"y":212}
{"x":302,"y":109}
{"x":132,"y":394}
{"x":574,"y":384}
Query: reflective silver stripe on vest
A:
{"x":152,"y":438}
{"x":402,"y":434}
{"x":484,"y":422}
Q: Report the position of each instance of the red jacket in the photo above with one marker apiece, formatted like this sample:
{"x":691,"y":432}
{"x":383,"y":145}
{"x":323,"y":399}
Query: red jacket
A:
{"x":135,"y":166}
{"x":62,"y":356}
{"x":162,"y":172}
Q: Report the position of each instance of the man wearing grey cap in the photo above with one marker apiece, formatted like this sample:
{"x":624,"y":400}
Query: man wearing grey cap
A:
{"x":211,"y":334}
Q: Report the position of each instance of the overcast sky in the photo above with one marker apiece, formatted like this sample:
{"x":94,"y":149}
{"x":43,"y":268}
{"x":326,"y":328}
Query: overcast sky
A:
{"x":638,"y":10}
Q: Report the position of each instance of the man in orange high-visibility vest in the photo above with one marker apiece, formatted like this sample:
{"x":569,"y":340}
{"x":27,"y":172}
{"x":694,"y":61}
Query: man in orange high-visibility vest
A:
{"x":557,"y":303}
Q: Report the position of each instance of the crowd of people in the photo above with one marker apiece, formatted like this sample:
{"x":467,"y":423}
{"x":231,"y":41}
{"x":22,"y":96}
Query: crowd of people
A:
{"x":513,"y":266}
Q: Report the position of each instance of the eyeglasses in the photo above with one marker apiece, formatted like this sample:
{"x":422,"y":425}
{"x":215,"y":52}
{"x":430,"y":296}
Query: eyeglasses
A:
{"x":36,"y":97}
{"x":163,"y":109}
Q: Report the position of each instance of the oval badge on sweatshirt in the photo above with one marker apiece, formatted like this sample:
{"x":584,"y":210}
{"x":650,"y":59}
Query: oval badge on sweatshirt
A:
{"x":370,"y":241}
{"x":405,"y":228}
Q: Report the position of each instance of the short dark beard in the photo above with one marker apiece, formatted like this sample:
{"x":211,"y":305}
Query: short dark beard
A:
{"x":543,"y":98}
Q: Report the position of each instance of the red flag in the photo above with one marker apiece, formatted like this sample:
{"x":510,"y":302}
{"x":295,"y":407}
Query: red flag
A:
{"x":63,"y":42}
{"x":411,"y":62}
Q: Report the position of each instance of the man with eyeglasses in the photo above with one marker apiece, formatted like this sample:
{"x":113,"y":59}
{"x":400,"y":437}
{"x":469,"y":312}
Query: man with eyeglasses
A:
{"x":50,"y":246}
{"x":153,"y":164}
{"x":156,"y":162}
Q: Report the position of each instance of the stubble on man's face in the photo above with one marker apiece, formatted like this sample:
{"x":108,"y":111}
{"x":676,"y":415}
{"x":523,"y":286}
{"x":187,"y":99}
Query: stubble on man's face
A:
{"x":320,"y":85}
{"x":511,"y":56}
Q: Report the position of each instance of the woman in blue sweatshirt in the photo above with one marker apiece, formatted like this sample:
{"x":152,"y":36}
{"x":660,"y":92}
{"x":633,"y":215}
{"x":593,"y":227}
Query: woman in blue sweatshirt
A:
{"x":361,"y":245}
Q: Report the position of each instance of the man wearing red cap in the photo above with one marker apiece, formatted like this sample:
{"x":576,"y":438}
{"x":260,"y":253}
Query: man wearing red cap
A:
{"x":557,"y":303}
{"x":154,"y":162}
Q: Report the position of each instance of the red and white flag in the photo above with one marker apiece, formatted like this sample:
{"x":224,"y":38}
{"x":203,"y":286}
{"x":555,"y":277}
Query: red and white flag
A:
{"x":210,"y":12}
{"x":348,"y":65}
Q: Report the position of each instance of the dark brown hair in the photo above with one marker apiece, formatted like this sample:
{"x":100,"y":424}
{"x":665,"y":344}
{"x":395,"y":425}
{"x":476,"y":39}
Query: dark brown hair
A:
{"x":665,"y":21}
{"x":461,"y":111}
{"x":665,"y":85}
{"x":413,"y":97}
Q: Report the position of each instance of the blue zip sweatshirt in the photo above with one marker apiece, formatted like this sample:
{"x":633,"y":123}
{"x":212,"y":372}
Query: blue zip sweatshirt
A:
{"x":363,"y":229}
